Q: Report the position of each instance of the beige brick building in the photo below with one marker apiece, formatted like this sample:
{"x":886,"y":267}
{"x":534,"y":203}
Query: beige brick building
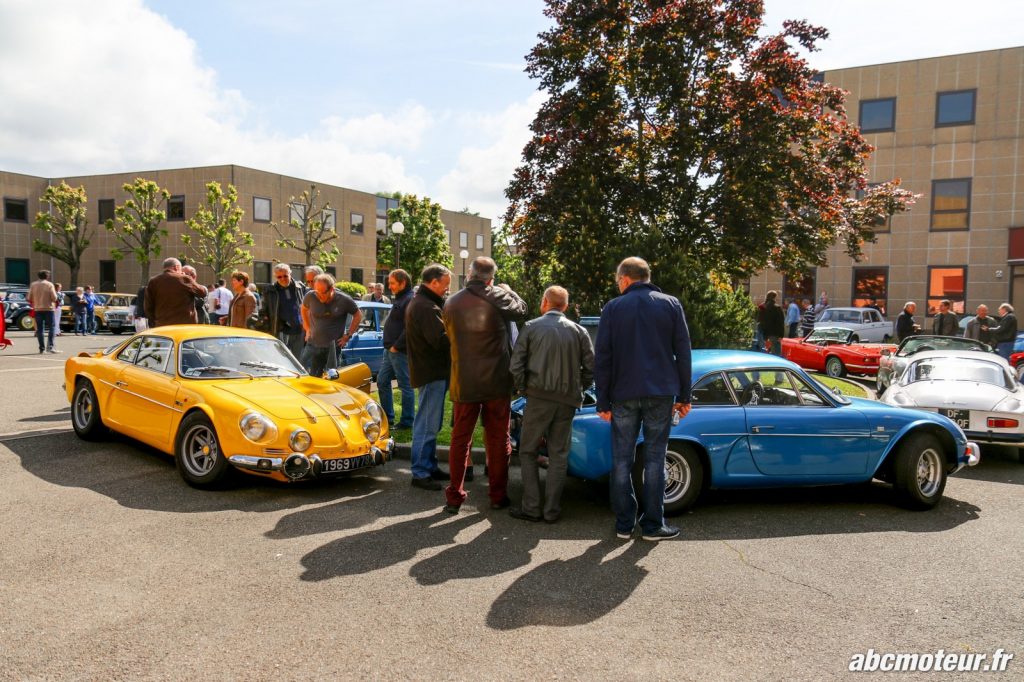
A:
{"x":359,"y":217}
{"x":951,"y":128}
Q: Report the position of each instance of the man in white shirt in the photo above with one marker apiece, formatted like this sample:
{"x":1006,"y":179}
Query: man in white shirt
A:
{"x":218,"y":303}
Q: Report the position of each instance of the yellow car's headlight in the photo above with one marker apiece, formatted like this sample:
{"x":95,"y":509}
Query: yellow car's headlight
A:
{"x":374,"y":411}
{"x":257,"y":428}
{"x":372,"y":431}
{"x":300,"y":441}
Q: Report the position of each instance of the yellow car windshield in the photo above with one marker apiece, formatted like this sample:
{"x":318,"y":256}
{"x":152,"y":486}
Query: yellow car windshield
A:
{"x":231,"y":357}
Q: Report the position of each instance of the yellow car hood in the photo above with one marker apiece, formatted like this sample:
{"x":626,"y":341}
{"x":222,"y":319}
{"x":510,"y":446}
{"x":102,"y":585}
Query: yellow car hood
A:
{"x":297,"y":398}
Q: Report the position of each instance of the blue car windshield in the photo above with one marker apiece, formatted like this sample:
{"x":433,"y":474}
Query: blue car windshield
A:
{"x":234,"y":357}
{"x":958,"y":369}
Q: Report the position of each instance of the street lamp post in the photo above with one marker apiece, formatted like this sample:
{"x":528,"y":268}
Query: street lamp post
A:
{"x":463,"y":254}
{"x":397,"y":228}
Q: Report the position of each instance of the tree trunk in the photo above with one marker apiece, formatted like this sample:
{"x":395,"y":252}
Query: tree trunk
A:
{"x":74,"y":275}
{"x":144,"y":268}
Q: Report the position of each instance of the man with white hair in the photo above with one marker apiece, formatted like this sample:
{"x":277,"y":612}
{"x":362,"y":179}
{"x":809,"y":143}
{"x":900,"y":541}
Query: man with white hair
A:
{"x":281,"y":312}
{"x":171,"y":295}
{"x":310,"y":273}
{"x":1005,"y":333}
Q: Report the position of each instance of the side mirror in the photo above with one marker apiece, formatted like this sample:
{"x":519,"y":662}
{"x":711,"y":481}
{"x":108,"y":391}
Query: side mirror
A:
{"x":836,"y":391}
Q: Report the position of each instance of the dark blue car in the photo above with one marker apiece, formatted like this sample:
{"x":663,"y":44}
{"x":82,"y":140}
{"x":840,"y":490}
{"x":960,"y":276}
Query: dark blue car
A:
{"x":367,"y":345}
{"x":760,"y":421}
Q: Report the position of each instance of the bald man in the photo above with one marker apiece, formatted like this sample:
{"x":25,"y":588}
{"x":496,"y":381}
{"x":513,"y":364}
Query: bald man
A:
{"x":170,"y":296}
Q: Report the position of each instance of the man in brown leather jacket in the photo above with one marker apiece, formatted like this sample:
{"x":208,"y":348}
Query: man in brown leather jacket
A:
{"x":479,"y":320}
{"x":170,"y":296}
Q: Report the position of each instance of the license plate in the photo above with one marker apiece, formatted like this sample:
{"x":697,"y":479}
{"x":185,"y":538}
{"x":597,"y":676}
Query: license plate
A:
{"x":336,"y":466}
{"x":961,"y":417}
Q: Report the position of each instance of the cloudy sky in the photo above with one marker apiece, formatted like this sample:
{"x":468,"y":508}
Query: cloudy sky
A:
{"x":424,"y":96}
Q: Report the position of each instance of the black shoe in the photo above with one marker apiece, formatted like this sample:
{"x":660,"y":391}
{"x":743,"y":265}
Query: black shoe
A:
{"x":502,"y":504}
{"x":553,"y":519}
{"x":425,"y":483}
{"x":517,"y":513}
{"x":666,"y":532}
{"x":469,"y":474}
{"x":439,"y":475}
{"x":451,"y":508}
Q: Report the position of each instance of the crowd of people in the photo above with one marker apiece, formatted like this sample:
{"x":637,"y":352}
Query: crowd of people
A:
{"x":469,"y":345}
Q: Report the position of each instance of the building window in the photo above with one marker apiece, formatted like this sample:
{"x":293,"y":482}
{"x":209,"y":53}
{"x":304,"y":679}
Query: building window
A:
{"x":108,"y":275}
{"x":800,"y":288}
{"x":384,"y":204}
{"x":878,"y":115}
{"x":332,"y":271}
{"x":261,"y":209}
{"x":105,"y":210}
{"x":882,"y":223}
{"x":356,"y":223}
{"x":16,"y":270}
{"x":947,"y":281}
{"x":261,"y":272}
{"x":382,"y":276}
{"x":356,"y":275}
{"x":296,"y":213}
{"x":954,"y":108}
{"x":330,"y":218}
{"x":951,"y":204}
{"x":871,"y":284}
{"x":463,"y":240}
{"x":176,"y":207}
{"x":479,"y":242}
{"x":16,"y":210}
{"x":448,"y":235}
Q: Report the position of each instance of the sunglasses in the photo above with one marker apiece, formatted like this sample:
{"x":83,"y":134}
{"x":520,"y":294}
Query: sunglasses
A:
{"x":284,"y":276}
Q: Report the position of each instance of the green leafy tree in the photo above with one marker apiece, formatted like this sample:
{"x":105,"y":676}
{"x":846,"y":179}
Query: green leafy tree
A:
{"x":512,"y":271}
{"x":423,"y":241}
{"x":216,"y":240}
{"x":138,"y":223}
{"x":315,"y":229}
{"x":676,"y":131}
{"x":66,"y":223}
{"x":353,"y":289}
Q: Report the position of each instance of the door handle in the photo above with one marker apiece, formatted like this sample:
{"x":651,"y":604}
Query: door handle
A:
{"x":120,"y":384}
{"x":759,"y":429}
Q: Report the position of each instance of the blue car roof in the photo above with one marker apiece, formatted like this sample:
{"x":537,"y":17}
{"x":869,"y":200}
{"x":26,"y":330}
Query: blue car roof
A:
{"x":705,"y":361}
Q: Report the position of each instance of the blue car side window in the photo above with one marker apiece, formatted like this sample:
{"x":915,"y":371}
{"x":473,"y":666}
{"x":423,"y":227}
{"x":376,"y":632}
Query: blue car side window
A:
{"x":712,"y":390}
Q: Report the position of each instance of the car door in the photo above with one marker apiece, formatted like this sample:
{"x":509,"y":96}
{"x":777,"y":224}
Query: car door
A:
{"x":368,"y":343}
{"x":142,"y":402}
{"x":795,"y":431}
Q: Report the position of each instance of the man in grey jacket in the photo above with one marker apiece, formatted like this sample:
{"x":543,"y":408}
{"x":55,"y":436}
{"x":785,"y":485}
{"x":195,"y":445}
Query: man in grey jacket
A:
{"x":552,"y":364}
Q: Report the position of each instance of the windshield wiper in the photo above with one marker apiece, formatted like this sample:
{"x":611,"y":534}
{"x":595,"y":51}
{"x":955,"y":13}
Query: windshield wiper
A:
{"x":220,"y":370}
{"x":268,"y":366}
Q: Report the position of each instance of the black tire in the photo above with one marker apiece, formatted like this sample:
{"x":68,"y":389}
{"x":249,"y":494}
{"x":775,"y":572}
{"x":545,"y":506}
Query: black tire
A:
{"x":85,"y":412}
{"x":879,"y":386}
{"x":117,"y":331}
{"x":854,"y":339}
{"x":97,"y":323}
{"x":919,"y":472}
{"x":26,"y":323}
{"x":834,"y":367}
{"x":197,"y":453}
{"x":1020,"y":455}
{"x":886,"y":338}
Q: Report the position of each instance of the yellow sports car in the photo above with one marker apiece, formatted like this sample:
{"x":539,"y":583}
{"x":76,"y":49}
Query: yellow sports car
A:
{"x":219,"y":398}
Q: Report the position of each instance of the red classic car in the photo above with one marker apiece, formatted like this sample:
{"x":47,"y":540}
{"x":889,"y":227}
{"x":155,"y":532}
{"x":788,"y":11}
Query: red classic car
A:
{"x":830,"y":350}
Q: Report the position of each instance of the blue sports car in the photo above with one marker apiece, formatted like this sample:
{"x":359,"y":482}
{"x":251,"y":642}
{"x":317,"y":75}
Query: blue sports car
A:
{"x":368,"y":343}
{"x":760,"y":421}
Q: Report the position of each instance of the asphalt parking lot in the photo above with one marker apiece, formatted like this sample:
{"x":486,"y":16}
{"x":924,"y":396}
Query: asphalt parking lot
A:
{"x":112,"y":568}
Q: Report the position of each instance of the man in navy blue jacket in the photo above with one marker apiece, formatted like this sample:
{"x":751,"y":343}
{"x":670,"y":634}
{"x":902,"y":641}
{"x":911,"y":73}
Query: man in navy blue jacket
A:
{"x":396,"y":362}
{"x":642,"y":372}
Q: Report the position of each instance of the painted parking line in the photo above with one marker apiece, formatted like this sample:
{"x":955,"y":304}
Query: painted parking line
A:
{"x":19,"y":435}
{"x":32,"y":369}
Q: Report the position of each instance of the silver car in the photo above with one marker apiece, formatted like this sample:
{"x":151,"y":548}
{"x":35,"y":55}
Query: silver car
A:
{"x":892,"y":364}
{"x":867,"y":324}
{"x":976,"y":390}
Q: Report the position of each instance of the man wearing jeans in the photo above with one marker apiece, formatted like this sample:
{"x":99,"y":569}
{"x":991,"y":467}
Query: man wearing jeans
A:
{"x":429,"y":354}
{"x":642,"y":372}
{"x":395,"y":364}
{"x":42,"y":296}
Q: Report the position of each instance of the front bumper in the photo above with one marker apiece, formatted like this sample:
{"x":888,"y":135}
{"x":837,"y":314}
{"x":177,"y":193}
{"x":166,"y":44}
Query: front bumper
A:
{"x":279,"y":464}
{"x":971,"y":456}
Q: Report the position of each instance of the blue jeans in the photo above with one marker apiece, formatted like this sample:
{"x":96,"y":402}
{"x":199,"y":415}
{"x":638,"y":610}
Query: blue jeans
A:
{"x":429,"y":418}
{"x":81,"y":323}
{"x":90,"y":321}
{"x":44,"y":318}
{"x":1005,"y":349}
{"x":396,"y":366}
{"x":654,"y":415}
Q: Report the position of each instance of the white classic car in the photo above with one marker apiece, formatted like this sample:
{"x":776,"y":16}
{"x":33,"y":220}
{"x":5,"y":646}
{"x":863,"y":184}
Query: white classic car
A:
{"x":867,"y":324}
{"x":975,"y":389}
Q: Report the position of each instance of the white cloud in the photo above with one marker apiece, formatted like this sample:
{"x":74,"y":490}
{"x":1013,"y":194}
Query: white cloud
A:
{"x":483,"y":171}
{"x":109,"y":85}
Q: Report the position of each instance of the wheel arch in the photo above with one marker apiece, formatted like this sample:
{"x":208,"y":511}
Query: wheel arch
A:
{"x":702,"y":453}
{"x":945,"y":438}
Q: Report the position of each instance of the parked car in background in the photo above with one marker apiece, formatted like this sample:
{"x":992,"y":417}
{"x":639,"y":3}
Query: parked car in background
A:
{"x":368,"y":343}
{"x":892,"y":363}
{"x":867,"y":324}
{"x":222,"y":398}
{"x":67,"y":316}
{"x":761,"y":421}
{"x":975,"y":389}
{"x":19,"y":313}
{"x":119,"y":313}
{"x":833,"y":351}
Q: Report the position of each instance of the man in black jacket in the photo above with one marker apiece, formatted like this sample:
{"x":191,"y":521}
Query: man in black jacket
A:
{"x":478,"y":320}
{"x":945,"y":323}
{"x":395,"y":364}
{"x":773,"y":322}
{"x":1005,"y":334}
{"x":281,"y":314}
{"x":429,"y":354}
{"x":552,"y":364}
{"x":905,"y":325}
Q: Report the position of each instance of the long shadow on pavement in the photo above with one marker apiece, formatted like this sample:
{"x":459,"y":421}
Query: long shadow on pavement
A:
{"x":571,"y":592}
